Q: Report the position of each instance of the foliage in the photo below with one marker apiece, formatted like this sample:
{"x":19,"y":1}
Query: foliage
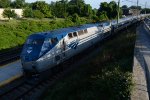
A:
{"x":118,"y":85}
{"x":87,"y":10}
{"x":5,"y":3}
{"x":125,"y":10}
{"x":8,"y":13}
{"x":65,"y":8}
{"x":95,"y":19}
{"x":59,"y":9}
{"x":18,"y":4}
{"x":38,"y":14}
{"x":43,"y":7}
{"x":28,"y":13}
{"x":109,"y":8}
{"x":15,"y":32}
{"x":145,"y":10}
{"x":136,"y":7}
{"x":103,"y":16}
{"x":75,"y":18}
{"x":79,"y":5}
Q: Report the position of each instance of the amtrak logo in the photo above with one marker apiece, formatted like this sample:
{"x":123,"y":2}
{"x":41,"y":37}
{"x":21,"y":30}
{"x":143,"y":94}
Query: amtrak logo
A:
{"x":29,"y":50}
{"x":74,"y":44}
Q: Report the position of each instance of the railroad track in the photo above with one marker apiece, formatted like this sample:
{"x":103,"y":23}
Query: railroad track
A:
{"x":10,"y":55}
{"x":27,"y":90}
{"x":34,"y":87}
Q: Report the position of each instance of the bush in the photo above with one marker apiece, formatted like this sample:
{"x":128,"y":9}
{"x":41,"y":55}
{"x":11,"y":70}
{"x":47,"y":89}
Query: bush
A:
{"x":28,"y":13}
{"x":113,"y":85}
{"x":95,"y":19}
{"x":76,"y":18}
{"x":103,"y":16}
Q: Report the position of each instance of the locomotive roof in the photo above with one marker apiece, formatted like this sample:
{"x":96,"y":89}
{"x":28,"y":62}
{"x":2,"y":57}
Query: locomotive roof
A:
{"x":122,"y":20}
{"x":65,"y":31}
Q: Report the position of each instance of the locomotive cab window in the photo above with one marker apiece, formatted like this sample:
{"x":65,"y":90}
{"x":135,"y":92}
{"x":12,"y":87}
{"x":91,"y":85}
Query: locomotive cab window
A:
{"x":54,"y":40}
{"x":70,"y":35}
{"x":75,"y":34}
{"x":101,"y":25}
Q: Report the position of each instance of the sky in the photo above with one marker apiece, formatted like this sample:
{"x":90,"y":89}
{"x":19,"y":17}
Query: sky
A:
{"x":96,"y":3}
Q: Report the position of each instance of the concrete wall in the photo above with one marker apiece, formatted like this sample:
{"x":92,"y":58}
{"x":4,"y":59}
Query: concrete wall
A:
{"x":19,"y":13}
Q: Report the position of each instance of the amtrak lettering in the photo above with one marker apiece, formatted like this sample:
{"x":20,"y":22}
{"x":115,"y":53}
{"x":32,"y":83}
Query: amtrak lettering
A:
{"x":74,"y":44}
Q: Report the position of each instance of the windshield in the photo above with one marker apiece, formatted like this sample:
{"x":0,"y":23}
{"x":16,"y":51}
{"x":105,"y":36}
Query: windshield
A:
{"x":48,"y":44}
{"x":34,"y":42}
{"x":32,"y":49}
{"x":35,"y":48}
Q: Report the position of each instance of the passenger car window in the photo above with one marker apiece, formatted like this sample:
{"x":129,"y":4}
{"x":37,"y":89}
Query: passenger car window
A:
{"x":70,"y":35}
{"x":74,"y":34}
{"x":80,"y":32}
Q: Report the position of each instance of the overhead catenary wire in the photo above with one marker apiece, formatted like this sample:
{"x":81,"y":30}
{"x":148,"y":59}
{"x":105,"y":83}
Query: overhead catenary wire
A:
{"x":135,"y":3}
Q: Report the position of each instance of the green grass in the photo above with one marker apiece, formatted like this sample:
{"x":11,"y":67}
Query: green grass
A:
{"x":105,"y":77}
{"x":14,"y":32}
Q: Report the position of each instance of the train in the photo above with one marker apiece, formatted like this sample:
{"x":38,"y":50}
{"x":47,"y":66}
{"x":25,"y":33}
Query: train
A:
{"x":44,"y":50}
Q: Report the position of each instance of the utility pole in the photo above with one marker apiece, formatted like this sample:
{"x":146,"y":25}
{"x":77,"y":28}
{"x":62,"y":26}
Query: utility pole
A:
{"x":118,"y":11}
{"x":137,"y":7}
{"x":145,"y":6}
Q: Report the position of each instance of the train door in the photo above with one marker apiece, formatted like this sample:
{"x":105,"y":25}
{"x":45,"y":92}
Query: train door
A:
{"x":56,"y":51}
{"x":60,"y":53}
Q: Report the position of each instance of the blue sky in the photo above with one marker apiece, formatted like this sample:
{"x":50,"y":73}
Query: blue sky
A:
{"x":96,"y":3}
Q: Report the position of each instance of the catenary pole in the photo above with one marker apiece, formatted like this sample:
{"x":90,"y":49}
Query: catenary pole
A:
{"x":145,"y":6}
{"x":118,"y":11}
{"x":137,"y":7}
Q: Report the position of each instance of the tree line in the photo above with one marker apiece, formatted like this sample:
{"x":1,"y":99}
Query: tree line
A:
{"x":64,"y":9}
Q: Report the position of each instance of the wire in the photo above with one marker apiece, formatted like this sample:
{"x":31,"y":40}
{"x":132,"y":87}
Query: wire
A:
{"x":136,"y":3}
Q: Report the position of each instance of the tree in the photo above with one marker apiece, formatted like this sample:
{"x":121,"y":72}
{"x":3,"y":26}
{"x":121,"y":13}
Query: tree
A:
{"x":43,"y":7}
{"x":72,"y":9}
{"x":124,"y":7}
{"x":87,"y":10}
{"x":125,"y":10}
{"x":110,"y":9}
{"x":38,"y":14}
{"x":95,"y":18}
{"x":8,"y":13}
{"x":28,"y":13}
{"x":136,"y":7}
{"x":94,"y":11}
{"x":78,"y":6}
{"x":5,"y":3}
{"x":103,"y":16}
{"x":18,"y":4}
{"x":103,"y":7}
{"x":75,"y":18}
{"x":145,"y":10}
{"x":59,"y":8}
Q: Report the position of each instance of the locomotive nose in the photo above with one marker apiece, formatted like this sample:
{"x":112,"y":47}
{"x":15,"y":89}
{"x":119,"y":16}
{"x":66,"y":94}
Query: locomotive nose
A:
{"x":30,"y":67}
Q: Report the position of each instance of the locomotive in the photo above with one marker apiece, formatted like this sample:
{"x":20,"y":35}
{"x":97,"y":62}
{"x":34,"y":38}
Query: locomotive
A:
{"x":45,"y":50}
